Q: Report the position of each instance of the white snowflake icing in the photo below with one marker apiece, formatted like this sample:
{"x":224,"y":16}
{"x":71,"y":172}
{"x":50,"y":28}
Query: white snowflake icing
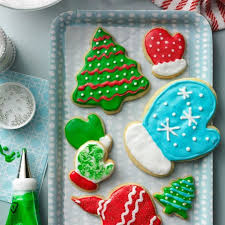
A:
{"x":168,"y":129}
{"x":188,"y":116}
{"x":183,"y":91}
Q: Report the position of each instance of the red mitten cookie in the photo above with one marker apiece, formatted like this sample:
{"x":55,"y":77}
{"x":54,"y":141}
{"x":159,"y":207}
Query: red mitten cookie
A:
{"x":165,"y":52}
{"x":129,"y":204}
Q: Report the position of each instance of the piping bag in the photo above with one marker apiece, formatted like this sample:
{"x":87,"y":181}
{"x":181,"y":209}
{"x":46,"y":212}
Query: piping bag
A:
{"x":24,"y":208}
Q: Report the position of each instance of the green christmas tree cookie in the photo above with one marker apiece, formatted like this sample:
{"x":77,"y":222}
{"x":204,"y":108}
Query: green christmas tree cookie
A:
{"x":91,"y":164}
{"x":108,"y":77}
{"x":178,"y":197}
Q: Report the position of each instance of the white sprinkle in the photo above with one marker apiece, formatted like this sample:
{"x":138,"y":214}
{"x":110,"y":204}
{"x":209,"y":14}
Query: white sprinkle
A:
{"x":174,"y":43}
{"x":194,"y":127}
{"x":90,"y":65}
{"x":152,"y":38}
{"x":135,"y":83}
{"x":114,"y":49}
{"x":166,"y":198}
{"x":163,"y":56}
{"x":161,"y":38}
{"x":183,"y":134}
{"x":179,"y":39}
{"x":180,"y":47}
{"x":174,"y":201}
{"x":154,"y":115}
{"x":108,"y":76}
{"x":160,"y":34}
{"x":154,"y":56}
{"x":116,"y":89}
{"x":106,"y":51}
{"x":86,"y":78}
{"x":99,"y":92}
{"x":172,"y":50}
{"x":166,"y":47}
{"x":166,"y":42}
{"x":201,"y":95}
{"x":188,"y":103}
{"x":174,"y":114}
{"x":97,"y":43}
{"x":132,"y":72}
{"x":169,"y":55}
{"x":158,"y":42}
{"x":194,"y":139}
{"x":150,"y":46}
{"x":207,"y":138}
{"x":175,"y":144}
{"x":165,"y":103}
{"x":124,"y":74}
{"x":104,"y":41}
{"x":98,"y":52}
{"x":125,"y":86}
{"x":91,"y":93}
{"x":107,"y":64}
{"x":188,"y":149}
{"x":200,"y":108}
{"x":158,"y":50}
{"x":107,"y":91}
{"x":114,"y":62}
{"x":121,"y":60}
{"x":99,"y":64}
{"x":82,"y":94}
{"x":99,"y":31}
{"x":142,"y":81}
{"x":117,"y":75}
{"x":98,"y":78}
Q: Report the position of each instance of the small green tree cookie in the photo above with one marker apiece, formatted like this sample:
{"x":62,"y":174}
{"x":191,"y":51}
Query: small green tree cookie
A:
{"x":178,"y":197}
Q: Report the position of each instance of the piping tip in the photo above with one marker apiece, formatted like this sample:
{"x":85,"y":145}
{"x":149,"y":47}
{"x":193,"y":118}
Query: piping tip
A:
{"x":24,"y":169}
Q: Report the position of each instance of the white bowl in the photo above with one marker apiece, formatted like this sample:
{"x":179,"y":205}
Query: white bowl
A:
{"x":28,"y":4}
{"x":17,"y":105}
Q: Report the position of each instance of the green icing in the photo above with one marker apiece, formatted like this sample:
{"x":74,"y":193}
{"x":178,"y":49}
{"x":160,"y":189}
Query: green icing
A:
{"x":8,"y":157}
{"x":111,"y":101}
{"x":78,"y":131}
{"x":24,"y":210}
{"x":178,"y":197}
{"x":90,"y":162}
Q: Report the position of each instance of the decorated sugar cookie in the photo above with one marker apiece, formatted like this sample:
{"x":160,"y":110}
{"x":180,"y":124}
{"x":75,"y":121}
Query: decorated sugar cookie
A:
{"x":178,"y":197}
{"x":91,"y":163}
{"x":175,"y":127}
{"x":165,"y":53}
{"x":130,"y":204}
{"x":108,"y":77}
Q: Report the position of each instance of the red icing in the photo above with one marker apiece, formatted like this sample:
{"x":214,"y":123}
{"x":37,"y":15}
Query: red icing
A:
{"x":102,"y":38}
{"x":107,"y":56}
{"x":103,"y":46}
{"x":162,"y":47}
{"x":82,"y":182}
{"x":125,"y":66}
{"x":111,"y":210}
{"x":108,"y":99}
{"x":109,"y":83}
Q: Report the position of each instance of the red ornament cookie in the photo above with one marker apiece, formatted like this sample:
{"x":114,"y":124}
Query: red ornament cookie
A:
{"x":165,"y":52}
{"x":129,"y":204}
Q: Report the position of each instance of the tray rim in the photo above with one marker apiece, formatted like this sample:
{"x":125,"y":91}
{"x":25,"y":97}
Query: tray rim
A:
{"x":61,"y":22}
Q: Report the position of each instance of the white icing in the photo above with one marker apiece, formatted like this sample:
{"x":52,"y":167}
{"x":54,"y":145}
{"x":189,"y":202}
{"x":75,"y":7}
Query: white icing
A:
{"x":183,"y":91}
{"x":168,"y":129}
{"x":145,"y":151}
{"x":188,"y":149}
{"x":169,"y":68}
{"x":188,"y":103}
{"x":100,"y":206}
{"x":188,"y":116}
{"x":153,"y":219}
{"x":25,"y":184}
{"x":106,"y":141}
{"x":194,"y":139}
{"x":200,"y":108}
{"x":136,"y":207}
{"x":129,"y":202}
{"x":165,"y":103}
{"x":104,"y":208}
{"x":207,"y":138}
{"x":154,"y":115}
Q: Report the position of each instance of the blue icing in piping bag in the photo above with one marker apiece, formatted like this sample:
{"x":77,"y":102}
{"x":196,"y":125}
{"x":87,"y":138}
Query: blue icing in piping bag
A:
{"x":175,"y":128}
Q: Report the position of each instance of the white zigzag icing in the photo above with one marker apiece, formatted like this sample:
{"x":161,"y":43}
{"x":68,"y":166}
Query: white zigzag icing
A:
{"x":100,"y":206}
{"x":129,"y":202}
{"x":104,"y":209}
{"x":153,"y":219}
{"x":136,"y":207}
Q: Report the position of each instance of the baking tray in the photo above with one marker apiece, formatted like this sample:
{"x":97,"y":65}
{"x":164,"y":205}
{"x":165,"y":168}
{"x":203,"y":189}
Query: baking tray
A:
{"x":70,"y":35}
